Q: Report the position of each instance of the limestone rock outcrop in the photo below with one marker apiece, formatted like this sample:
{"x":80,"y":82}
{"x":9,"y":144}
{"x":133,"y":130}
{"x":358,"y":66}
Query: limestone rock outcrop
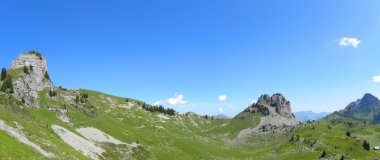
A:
{"x":27,"y":86}
{"x":278,"y":101}
{"x":275,"y":113}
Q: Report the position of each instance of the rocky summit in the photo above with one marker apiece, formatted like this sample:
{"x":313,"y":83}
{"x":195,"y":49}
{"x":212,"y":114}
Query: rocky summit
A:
{"x":367,"y":108}
{"x":278,"y":102}
{"x":275,"y":112}
{"x":30,"y":76}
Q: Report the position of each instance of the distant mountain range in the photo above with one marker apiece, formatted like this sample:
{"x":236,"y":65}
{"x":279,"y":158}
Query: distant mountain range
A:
{"x":310,"y":115}
{"x":221,"y":116}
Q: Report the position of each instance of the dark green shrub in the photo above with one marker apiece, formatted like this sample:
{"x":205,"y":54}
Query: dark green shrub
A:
{"x":7,"y":85}
{"x":366,"y":145}
{"x":348,"y":134}
{"x":47,"y":75}
{"x":323,"y":155}
{"x":53,"y":93}
{"x":84,"y":95}
{"x":3,"y":74}
{"x":26,"y":70}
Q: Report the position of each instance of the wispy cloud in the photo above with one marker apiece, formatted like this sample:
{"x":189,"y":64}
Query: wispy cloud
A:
{"x":178,"y":99}
{"x":222,"y":98}
{"x":349,"y":41}
{"x":376,"y":79}
{"x":220,"y":110}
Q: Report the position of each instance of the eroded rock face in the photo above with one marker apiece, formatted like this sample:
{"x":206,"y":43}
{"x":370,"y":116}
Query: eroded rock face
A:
{"x":28,"y":86}
{"x":278,"y":102}
{"x":276,"y":114}
{"x":281,"y":104}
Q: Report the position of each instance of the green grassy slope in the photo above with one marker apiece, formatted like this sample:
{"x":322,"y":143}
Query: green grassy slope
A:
{"x":174,"y":137}
{"x":329,"y":135}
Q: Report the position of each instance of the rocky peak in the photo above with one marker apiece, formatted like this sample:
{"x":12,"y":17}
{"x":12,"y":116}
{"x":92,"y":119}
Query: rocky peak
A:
{"x":368,"y":100}
{"x":28,"y":85}
{"x":276,"y":114}
{"x":31,"y":58}
{"x":278,"y":102}
{"x":264,"y":98}
{"x":369,"y":104}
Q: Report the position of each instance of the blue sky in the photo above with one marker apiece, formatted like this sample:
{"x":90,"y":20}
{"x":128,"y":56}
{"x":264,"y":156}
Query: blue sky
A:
{"x":191,"y":53}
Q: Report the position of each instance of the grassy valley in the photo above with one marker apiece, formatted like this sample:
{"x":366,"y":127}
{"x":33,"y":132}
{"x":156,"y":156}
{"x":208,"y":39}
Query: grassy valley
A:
{"x":85,"y":124}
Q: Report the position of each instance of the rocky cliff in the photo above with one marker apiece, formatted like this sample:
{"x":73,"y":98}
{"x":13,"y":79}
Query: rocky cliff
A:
{"x":33,"y":79}
{"x":272,"y":105}
{"x":278,"y":102}
{"x":275,"y":113}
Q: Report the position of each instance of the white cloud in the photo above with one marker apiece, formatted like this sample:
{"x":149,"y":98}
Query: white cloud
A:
{"x":177,"y":100}
{"x":349,"y":41}
{"x":220,"y":110}
{"x":376,"y":79}
{"x":174,"y":101}
{"x":222,"y":98}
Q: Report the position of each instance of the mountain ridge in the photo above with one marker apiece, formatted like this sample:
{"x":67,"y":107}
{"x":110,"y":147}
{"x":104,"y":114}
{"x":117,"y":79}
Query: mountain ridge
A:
{"x":367,"y":108}
{"x":305,"y":116}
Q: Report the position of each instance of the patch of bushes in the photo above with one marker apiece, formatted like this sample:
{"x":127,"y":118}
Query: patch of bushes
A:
{"x":366,"y":145}
{"x":84,"y":95}
{"x":53,"y":93}
{"x":264,"y":110}
{"x":159,"y":108}
{"x":36,"y":53}
{"x":26,"y":70}
{"x":323,"y":155}
{"x":348,"y":134}
{"x":7,"y":85}
{"x":63,"y":89}
{"x":82,"y":98}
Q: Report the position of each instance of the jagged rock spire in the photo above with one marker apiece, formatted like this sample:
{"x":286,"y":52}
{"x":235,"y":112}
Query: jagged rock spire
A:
{"x":279,"y":102}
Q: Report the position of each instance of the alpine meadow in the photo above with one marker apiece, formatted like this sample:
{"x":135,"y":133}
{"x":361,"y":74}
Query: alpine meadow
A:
{"x":189,"y":80}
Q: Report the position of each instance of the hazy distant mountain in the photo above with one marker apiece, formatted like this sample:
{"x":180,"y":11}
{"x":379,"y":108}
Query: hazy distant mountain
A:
{"x":221,"y":116}
{"x":310,"y":115}
{"x":367,"y":108}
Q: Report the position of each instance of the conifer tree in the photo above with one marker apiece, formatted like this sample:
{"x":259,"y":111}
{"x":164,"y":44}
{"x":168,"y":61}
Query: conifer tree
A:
{"x":3,"y":74}
{"x":7,"y":85}
{"x":323,"y":155}
{"x":366,"y":145}
{"x":47,"y":75}
{"x":26,"y":70}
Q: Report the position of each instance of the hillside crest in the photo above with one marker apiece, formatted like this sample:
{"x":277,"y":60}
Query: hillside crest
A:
{"x":30,"y":75}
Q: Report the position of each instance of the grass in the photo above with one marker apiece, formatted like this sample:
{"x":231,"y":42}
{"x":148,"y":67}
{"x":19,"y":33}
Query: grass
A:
{"x":16,"y":73}
{"x":178,"y":136}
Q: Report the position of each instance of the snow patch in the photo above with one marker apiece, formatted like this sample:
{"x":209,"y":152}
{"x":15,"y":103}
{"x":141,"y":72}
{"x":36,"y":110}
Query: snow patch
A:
{"x":15,"y":134}
{"x":86,"y":147}
{"x":96,"y":135}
